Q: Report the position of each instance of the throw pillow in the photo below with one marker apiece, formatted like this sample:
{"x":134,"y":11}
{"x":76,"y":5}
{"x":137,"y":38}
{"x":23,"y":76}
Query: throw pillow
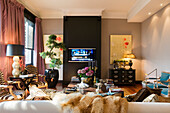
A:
{"x":152,"y":98}
{"x":36,"y":93}
{"x":141,"y":95}
{"x":156,"y":98}
{"x":41,"y":98}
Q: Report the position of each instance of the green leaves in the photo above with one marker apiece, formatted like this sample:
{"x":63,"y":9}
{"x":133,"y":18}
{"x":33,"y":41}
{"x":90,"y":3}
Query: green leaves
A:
{"x":55,"y":62}
{"x":52,"y":37}
{"x":43,"y":54}
{"x":51,"y":44}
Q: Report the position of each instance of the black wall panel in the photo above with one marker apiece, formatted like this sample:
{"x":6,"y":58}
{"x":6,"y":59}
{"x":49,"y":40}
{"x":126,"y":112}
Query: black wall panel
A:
{"x":81,"y":32}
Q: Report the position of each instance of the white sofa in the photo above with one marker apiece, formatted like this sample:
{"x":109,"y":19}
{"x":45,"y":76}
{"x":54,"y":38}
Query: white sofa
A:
{"x":54,"y":107}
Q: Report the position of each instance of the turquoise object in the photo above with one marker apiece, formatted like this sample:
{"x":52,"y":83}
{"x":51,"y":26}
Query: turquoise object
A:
{"x":164,"y":77}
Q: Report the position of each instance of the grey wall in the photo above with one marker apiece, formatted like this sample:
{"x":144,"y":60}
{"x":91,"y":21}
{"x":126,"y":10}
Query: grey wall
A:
{"x":52,"y":26}
{"x":120,"y":27}
{"x":156,"y":42}
{"x":109,"y":27}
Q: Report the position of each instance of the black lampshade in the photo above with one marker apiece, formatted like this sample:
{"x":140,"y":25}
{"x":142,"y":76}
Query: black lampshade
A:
{"x":15,"y":50}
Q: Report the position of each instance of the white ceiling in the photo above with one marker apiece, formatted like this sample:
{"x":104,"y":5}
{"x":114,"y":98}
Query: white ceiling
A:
{"x":132,"y":10}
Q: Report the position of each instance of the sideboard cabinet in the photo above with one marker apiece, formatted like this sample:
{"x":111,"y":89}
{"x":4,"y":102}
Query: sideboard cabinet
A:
{"x":122,"y":76}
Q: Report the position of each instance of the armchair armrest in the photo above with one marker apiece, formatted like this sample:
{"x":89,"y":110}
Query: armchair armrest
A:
{"x":15,"y":82}
{"x":42,"y":76}
{"x":10,"y":90}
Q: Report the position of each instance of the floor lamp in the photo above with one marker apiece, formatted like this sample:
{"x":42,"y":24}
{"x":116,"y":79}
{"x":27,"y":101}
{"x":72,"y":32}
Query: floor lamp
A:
{"x":15,"y":51}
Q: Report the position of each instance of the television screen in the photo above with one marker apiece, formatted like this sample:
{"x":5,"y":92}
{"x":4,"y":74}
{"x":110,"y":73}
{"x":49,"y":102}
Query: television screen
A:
{"x":81,"y":54}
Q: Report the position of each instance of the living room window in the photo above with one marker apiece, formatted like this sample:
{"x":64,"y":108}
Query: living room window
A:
{"x":29,"y":19}
{"x":29,"y":41}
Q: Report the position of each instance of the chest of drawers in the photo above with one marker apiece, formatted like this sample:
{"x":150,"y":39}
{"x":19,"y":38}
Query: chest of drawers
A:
{"x":122,"y":76}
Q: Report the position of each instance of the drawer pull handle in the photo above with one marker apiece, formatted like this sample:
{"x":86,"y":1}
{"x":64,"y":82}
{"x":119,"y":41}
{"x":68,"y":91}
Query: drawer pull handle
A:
{"x":130,"y":76}
{"x":130,"y":71}
{"x":115,"y":71}
{"x":115,"y":80}
{"x":116,"y":76}
{"x":130,"y":81}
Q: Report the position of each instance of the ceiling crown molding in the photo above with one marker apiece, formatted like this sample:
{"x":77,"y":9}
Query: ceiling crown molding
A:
{"x":137,"y":7}
{"x":29,"y":7}
{"x":114,"y":15}
{"x":82,"y":12}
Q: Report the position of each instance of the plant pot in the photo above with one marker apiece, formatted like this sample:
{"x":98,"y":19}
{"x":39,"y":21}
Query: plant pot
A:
{"x":52,"y":76}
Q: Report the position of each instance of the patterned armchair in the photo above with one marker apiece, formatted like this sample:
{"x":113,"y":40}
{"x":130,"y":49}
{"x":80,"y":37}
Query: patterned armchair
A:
{"x":30,"y":69}
{"x":6,"y":90}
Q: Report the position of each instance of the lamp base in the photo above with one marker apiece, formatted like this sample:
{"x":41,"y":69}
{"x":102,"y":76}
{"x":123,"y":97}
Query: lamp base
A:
{"x":16,"y":66}
{"x":130,"y":64}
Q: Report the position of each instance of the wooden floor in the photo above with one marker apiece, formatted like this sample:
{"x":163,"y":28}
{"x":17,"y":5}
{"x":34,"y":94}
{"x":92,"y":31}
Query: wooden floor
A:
{"x":131,"y":89}
{"x":127,"y":89}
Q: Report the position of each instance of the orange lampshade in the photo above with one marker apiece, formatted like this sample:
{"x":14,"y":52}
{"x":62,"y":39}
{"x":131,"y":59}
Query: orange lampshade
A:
{"x":130,"y":56}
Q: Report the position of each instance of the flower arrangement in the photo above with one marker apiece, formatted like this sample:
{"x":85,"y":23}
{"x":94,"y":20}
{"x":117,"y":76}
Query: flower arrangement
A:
{"x":85,"y":72}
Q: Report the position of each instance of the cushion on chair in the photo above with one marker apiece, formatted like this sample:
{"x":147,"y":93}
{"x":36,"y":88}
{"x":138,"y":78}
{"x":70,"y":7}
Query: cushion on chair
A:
{"x":164,"y":77}
{"x":164,"y":91}
{"x":18,"y":93}
{"x":2,"y":81}
{"x":151,"y":85}
{"x":31,"y":69}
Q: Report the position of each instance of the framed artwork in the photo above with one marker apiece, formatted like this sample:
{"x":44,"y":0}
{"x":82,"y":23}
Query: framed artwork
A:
{"x":58,"y":51}
{"x":120,"y":45}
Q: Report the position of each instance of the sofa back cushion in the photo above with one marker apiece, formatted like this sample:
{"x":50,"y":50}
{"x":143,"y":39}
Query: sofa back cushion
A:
{"x":164,"y":77}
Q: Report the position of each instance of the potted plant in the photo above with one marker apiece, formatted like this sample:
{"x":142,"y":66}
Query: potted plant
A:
{"x":52,"y":74}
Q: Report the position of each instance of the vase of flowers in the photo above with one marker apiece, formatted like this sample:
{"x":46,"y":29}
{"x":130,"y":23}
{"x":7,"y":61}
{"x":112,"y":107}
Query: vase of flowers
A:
{"x":86,"y":73}
{"x":52,"y":74}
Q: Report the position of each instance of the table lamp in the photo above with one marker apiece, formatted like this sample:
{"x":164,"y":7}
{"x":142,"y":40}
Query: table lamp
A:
{"x":15,"y":51}
{"x":129,"y":57}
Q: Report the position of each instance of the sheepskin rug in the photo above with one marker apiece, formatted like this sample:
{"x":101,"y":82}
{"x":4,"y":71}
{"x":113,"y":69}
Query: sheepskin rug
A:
{"x":90,"y":103}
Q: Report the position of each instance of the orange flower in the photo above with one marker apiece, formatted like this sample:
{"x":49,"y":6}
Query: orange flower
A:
{"x":58,"y":38}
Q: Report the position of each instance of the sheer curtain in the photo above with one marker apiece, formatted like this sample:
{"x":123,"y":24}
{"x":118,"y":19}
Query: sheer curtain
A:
{"x":38,"y":47}
{"x":12,"y":31}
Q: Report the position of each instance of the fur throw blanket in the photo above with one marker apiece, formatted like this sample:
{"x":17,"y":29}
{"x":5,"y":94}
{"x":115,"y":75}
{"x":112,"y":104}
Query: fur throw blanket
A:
{"x":91,"y":103}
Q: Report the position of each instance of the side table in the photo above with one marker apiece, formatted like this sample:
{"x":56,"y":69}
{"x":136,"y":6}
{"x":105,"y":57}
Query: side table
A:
{"x":25,"y":80}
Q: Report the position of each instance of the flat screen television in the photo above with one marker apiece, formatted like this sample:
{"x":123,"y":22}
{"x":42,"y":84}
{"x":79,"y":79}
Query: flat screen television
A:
{"x":82,"y":54}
